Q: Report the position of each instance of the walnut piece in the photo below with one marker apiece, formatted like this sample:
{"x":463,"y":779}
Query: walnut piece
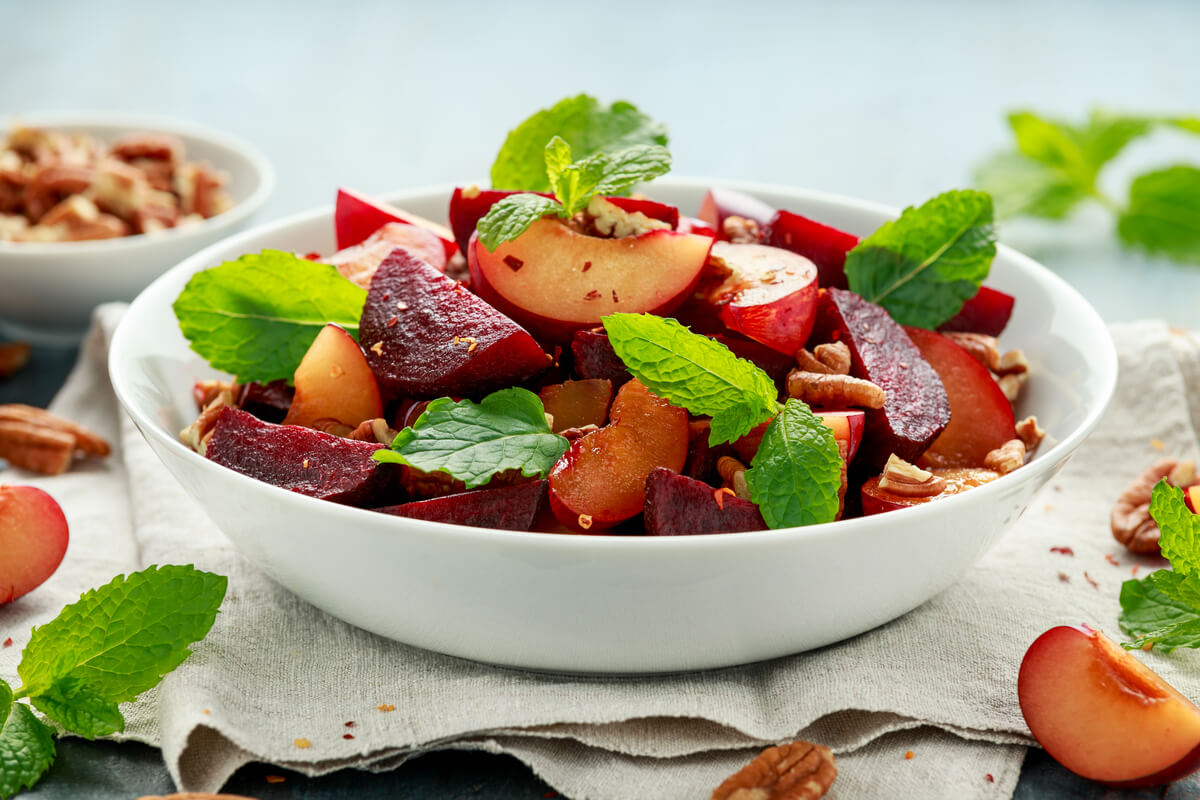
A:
{"x":908,"y":480}
{"x":740,"y":230}
{"x":375,"y":430}
{"x":34,"y":439}
{"x":794,"y":771}
{"x":833,"y":391}
{"x":1007,"y":457}
{"x":1130,"y":519}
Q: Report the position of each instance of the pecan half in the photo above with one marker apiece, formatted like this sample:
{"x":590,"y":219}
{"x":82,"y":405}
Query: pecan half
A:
{"x":197,"y":435}
{"x":908,"y":480}
{"x":832,"y":358}
{"x":374,"y":430}
{"x":13,"y":357}
{"x":1130,"y":519}
{"x":84,"y":440}
{"x":794,"y":771}
{"x":1007,"y":457}
{"x":35,"y":448}
{"x":834,"y":391}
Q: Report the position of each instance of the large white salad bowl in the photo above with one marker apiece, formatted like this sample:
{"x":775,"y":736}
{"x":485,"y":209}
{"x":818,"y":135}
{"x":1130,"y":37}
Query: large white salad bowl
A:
{"x":610,"y":603}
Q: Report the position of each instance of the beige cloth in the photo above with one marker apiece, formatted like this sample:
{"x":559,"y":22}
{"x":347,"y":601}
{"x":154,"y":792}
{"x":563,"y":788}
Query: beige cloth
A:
{"x":940,"y":681}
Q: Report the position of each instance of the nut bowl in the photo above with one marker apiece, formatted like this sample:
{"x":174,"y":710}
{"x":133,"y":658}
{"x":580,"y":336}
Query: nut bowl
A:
{"x":606,"y":604}
{"x":50,"y":288}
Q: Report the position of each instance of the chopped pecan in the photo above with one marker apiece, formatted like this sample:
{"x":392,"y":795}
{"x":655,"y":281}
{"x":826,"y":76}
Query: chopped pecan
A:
{"x":51,"y":184}
{"x":374,"y":430}
{"x":149,"y":146}
{"x":794,"y":771}
{"x":85,"y":440}
{"x":1130,"y":520}
{"x":986,"y":350}
{"x":199,"y":190}
{"x":36,"y":448}
{"x":740,"y":230}
{"x":571,"y":434}
{"x":13,"y":357}
{"x":834,"y":391}
{"x":832,"y":358}
{"x":733,"y":473}
{"x":908,"y":480}
{"x":1030,"y":433}
{"x":1007,"y":457}
{"x":1012,"y":384}
{"x":197,"y":435}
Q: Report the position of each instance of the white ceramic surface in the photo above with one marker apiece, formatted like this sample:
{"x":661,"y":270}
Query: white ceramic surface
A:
{"x":50,"y":289}
{"x":615,"y":604}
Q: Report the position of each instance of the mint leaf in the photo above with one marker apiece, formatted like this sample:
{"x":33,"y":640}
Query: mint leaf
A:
{"x":584,"y":124}
{"x":1020,"y":185}
{"x":1179,"y":529}
{"x":511,"y":216}
{"x":473,"y":441}
{"x":256,"y":317}
{"x":1189,"y":124}
{"x":1164,"y":213}
{"x":1162,"y":609}
{"x":6,"y":701}
{"x":923,"y":266}
{"x":26,"y":750}
{"x":797,"y":472}
{"x":694,"y":372}
{"x":576,"y":183}
{"x":116,"y":642}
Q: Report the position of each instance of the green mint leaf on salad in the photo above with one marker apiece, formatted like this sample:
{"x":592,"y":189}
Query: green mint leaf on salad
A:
{"x":923,"y":266}
{"x":256,"y":317}
{"x":470,"y":441}
{"x":116,"y":642}
{"x":585,"y":124}
{"x":1163,"y":608}
{"x":797,"y":472}
{"x":1163,"y":215}
{"x":26,"y":747}
{"x":694,"y":372}
{"x":511,"y":216}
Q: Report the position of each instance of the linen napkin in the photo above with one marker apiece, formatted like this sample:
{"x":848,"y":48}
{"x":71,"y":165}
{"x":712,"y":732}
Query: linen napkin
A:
{"x":276,"y":680}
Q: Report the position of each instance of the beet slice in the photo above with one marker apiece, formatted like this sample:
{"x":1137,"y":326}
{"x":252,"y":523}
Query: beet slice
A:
{"x":680,"y":506}
{"x":510,"y":508}
{"x":595,"y":357}
{"x":917,"y":408}
{"x":268,"y":401}
{"x":426,"y":336}
{"x":987,"y":312}
{"x":768,"y":359}
{"x":824,"y":246}
{"x":303,"y":460}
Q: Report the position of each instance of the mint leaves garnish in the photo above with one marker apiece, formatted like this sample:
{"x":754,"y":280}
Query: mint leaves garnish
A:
{"x":584,"y":124}
{"x":795,"y":476}
{"x":574,"y":184}
{"x":472,"y":442}
{"x":1057,"y":166}
{"x":1163,"y":609}
{"x":923,"y":266}
{"x":257,"y":316}
{"x":112,"y":645}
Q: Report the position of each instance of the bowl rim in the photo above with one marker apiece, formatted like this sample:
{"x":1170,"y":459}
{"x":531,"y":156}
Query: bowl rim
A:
{"x":585,"y":544}
{"x":260,"y":165}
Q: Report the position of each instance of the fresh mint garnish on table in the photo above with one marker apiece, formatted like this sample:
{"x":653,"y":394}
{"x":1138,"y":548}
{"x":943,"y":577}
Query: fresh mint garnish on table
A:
{"x":924,"y":265}
{"x":586,"y":125}
{"x":472,"y":442}
{"x":257,"y":316}
{"x":795,"y":477}
{"x":1163,"y":609}
{"x":574,"y":184}
{"x":110,"y":646}
{"x":1057,"y":165}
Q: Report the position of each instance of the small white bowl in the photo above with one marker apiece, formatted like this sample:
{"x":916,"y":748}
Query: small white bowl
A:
{"x":616,"y":603}
{"x":49,"y":289}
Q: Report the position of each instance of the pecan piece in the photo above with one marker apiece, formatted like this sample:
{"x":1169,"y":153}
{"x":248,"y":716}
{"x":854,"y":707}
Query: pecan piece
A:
{"x":733,"y":473}
{"x":1130,"y":520}
{"x":832,"y":358}
{"x":1030,"y":433}
{"x":36,"y":448}
{"x":84,"y":440}
{"x":908,"y":480}
{"x":1007,"y":457}
{"x":198,"y":434}
{"x":13,"y":357}
{"x":740,"y":230}
{"x":834,"y":391}
{"x":151,"y":146}
{"x":374,"y":430}
{"x":794,"y":771}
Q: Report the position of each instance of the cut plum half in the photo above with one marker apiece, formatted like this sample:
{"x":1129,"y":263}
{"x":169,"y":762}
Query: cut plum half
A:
{"x":770,"y":295}
{"x":577,"y":404}
{"x":334,"y":382}
{"x":958,"y":480}
{"x":356,"y":216}
{"x":824,"y":246}
{"x":987,"y":312}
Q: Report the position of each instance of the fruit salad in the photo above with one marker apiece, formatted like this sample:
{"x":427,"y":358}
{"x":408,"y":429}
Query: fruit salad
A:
{"x":568,"y":356}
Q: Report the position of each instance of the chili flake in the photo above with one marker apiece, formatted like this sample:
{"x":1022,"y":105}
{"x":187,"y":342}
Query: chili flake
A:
{"x":1110,"y":558}
{"x":1066,"y":551}
{"x":513,"y":262}
{"x":347,"y":735}
{"x":585,"y":521}
{"x":467,"y":339}
{"x":8,"y":642}
{"x":719,"y":496}
{"x":1064,"y":577}
{"x":592,"y":295}
{"x":989,"y":777}
{"x":1091,"y":580}
{"x":586,"y":266}
{"x":909,"y":755}
{"x":350,"y":724}
{"x":392,"y":321}
{"x":615,"y":298}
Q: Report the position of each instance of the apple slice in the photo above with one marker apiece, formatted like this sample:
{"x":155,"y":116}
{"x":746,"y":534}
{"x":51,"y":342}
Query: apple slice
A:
{"x":33,"y":539}
{"x":769,"y":296}
{"x":334,"y":382}
{"x":987,"y":312}
{"x":555,"y":280}
{"x":958,"y":480}
{"x":824,"y":246}
{"x":1103,"y":714}
{"x":356,"y":216}
{"x":721,"y":203}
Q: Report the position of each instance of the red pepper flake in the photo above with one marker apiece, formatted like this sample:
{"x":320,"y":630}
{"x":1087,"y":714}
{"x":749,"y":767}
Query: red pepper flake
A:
{"x":1110,"y":558}
{"x":313,"y":256}
{"x":719,"y":496}
{"x":909,"y":755}
{"x":275,"y":779}
{"x":587,"y":265}
{"x":385,"y":707}
{"x":350,"y":724}
{"x":8,"y":642}
{"x":386,"y":295}
{"x":392,"y":321}
{"x":1134,"y":570}
{"x":1066,"y":551}
{"x":585,"y":521}
{"x":1091,"y":580}
{"x":615,"y":298}
{"x":1064,"y":577}
{"x":347,"y":735}
{"x":989,"y":777}
{"x":592,"y":295}
{"x":513,"y":262}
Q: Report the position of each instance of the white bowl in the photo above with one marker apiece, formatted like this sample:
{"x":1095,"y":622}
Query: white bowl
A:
{"x":51,"y":288}
{"x":611,"y":603}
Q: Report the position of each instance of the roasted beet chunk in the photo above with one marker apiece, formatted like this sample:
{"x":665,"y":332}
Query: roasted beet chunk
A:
{"x":680,"y":506}
{"x":917,"y":408}
{"x":987,"y":312}
{"x":510,"y":508}
{"x":427,"y":336}
{"x":303,"y":460}
{"x":595,"y":357}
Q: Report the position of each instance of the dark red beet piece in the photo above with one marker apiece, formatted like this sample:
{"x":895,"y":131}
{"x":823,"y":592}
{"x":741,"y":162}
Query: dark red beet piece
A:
{"x":917,"y":408}
{"x":680,"y":506}
{"x":509,"y":508}
{"x":595,"y":357}
{"x":426,"y":336}
{"x":267,"y":401}
{"x":769,"y":360}
{"x":702,"y":459}
{"x":824,"y":246}
{"x":303,"y":460}
{"x":987,"y":313}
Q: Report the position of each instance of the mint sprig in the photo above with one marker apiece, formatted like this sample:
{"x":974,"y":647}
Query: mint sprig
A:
{"x":257,"y":316}
{"x":1163,"y":609}
{"x":112,"y":645}
{"x":795,"y":476}
{"x":923,"y":266}
{"x":472,"y":442}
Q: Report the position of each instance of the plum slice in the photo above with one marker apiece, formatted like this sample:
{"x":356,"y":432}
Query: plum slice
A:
{"x":426,"y":336}
{"x":510,"y":508}
{"x":987,"y":312}
{"x":356,"y":216}
{"x":958,"y":480}
{"x":576,"y":404}
{"x":917,"y":408}
{"x":677,"y":505}
{"x":824,"y":246}
{"x":303,"y":460}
